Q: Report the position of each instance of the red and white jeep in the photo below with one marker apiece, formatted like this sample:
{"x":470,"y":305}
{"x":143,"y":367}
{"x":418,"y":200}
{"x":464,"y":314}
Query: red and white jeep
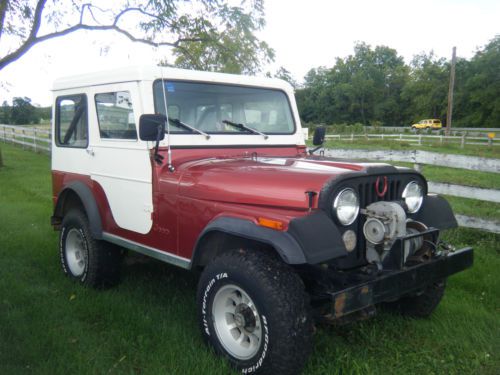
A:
{"x":210,"y":172}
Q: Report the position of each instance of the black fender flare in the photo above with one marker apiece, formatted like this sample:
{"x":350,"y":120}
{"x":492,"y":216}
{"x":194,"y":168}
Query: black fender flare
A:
{"x":310,"y":239}
{"x":436,"y":212}
{"x":89,"y":204}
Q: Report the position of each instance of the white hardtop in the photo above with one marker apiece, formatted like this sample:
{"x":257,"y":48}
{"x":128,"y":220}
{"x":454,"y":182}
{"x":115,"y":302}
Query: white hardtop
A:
{"x":152,"y":73}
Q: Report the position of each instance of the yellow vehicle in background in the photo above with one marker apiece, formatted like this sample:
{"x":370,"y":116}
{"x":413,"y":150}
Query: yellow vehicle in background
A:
{"x":428,"y":124}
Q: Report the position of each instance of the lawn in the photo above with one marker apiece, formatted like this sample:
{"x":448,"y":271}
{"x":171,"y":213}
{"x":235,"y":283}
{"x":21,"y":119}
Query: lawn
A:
{"x":147,"y":325}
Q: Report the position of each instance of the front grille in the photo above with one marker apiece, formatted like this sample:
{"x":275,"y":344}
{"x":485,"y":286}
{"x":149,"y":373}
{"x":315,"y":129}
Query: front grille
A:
{"x":368,"y":194}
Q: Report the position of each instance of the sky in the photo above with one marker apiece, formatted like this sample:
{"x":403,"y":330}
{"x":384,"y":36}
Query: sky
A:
{"x":304,"y":34}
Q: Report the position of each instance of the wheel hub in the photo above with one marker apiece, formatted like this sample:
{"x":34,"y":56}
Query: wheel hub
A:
{"x":236,"y":322}
{"x":244,"y":317}
{"x":76,"y":255}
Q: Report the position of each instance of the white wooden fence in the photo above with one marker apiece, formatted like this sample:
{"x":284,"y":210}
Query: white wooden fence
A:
{"x":26,"y":136}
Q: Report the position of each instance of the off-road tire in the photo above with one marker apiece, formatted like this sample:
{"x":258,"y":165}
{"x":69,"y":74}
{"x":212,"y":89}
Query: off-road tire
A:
{"x":420,"y":305}
{"x":101,"y":261}
{"x":279,"y":296}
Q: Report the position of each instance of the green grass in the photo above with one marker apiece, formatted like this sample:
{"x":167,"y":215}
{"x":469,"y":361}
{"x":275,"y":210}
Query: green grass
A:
{"x":433,"y":146}
{"x":147,"y":325}
{"x":474,"y":207}
{"x":462,"y":176}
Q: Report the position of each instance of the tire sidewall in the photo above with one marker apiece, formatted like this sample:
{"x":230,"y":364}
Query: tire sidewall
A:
{"x":73,"y":221}
{"x":210,"y":284}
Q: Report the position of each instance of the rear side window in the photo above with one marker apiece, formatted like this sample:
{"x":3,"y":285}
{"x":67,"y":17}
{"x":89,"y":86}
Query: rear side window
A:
{"x":115,"y":114}
{"x":72,"y":121}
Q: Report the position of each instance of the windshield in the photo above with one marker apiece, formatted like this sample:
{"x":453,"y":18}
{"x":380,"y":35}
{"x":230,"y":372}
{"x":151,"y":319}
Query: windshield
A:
{"x":205,"y":106}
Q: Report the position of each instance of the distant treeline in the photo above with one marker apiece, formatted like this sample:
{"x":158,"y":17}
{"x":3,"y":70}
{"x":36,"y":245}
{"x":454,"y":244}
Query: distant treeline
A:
{"x":22,"y":112}
{"x":376,"y":87}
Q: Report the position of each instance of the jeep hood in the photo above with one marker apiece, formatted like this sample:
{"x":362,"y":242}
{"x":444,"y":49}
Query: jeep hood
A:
{"x":273,"y":181}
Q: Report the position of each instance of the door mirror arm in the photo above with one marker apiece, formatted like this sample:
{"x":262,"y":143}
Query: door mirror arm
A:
{"x":160,"y":135}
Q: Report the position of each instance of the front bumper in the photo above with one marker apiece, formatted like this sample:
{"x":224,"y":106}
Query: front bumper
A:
{"x":391,"y":285}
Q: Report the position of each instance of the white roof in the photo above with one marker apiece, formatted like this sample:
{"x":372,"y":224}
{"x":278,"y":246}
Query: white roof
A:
{"x":151,"y":73}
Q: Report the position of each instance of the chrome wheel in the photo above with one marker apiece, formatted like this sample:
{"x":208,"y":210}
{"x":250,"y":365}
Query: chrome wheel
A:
{"x":236,"y":322}
{"x":76,"y":252}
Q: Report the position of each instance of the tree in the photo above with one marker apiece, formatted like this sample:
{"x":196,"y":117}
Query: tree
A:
{"x":427,"y":89}
{"x":22,"y":111}
{"x":5,"y":113}
{"x":201,"y":32}
{"x":285,"y":75}
{"x":231,"y":47}
{"x":364,"y":87}
{"x":481,"y":87}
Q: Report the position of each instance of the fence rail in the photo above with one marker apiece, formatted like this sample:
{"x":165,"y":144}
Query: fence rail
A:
{"x":455,"y":130}
{"x":417,"y":139}
{"x":420,"y":157}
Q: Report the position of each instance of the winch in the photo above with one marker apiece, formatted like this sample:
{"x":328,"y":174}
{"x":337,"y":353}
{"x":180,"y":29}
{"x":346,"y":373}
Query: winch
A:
{"x":385,"y":223}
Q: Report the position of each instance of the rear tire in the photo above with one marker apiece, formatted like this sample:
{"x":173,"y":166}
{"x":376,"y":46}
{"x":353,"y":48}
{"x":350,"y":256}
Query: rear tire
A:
{"x":84,"y":259}
{"x":420,"y":305}
{"x":254,"y":311}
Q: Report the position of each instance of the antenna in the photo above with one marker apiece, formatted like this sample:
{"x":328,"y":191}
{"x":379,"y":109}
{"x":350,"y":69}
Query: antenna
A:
{"x":169,"y":150}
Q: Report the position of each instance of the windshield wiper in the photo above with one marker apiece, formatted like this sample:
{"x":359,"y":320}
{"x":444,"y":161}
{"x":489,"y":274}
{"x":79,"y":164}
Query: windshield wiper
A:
{"x":244,"y":127}
{"x":178,"y":122}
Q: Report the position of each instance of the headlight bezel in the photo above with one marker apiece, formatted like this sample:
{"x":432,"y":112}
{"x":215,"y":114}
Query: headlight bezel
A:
{"x":404,"y":195}
{"x":336,"y":203}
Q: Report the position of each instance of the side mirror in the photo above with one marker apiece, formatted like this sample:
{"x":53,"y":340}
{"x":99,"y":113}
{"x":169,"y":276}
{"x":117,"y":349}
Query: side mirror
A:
{"x":319,"y":136}
{"x":148,"y":127}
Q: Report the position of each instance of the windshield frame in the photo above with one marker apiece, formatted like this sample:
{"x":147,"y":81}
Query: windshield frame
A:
{"x":187,"y":132}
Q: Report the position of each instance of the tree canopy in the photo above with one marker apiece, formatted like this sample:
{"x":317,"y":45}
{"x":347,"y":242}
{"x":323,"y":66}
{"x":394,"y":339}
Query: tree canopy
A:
{"x":375,"y":86}
{"x":23,"y":112}
{"x":204,"y":34}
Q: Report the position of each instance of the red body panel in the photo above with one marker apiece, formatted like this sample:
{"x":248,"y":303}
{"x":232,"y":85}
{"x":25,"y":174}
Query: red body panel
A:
{"x":207,"y":183}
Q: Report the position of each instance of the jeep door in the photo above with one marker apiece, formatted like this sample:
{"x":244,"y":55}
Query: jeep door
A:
{"x":120,"y":161}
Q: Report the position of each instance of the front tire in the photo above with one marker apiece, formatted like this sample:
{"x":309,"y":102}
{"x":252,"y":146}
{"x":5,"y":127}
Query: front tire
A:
{"x":84,"y":259}
{"x":254,"y":311}
{"x":420,"y":305}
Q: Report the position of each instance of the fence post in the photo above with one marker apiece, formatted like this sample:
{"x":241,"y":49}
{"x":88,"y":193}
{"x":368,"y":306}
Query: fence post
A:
{"x":34,"y":138}
{"x":382,"y":136}
{"x":400,"y":136}
{"x":352,"y":137}
{"x":462,"y":145}
{"x":441,"y":139}
{"x":420,"y":139}
{"x":24,"y":139}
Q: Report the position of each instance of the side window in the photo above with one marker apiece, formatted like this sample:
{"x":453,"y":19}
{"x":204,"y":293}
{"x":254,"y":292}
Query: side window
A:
{"x":71,"y":121}
{"x":115,"y":115}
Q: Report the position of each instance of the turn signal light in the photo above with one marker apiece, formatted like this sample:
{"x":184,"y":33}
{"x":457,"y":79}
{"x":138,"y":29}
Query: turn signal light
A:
{"x":269,"y":223}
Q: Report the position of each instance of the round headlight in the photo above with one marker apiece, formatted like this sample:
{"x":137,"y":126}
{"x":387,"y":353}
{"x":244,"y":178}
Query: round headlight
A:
{"x":346,"y":206}
{"x":413,"y":196}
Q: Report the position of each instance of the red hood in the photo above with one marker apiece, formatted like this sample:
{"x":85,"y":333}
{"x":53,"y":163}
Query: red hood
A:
{"x":273,"y":181}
